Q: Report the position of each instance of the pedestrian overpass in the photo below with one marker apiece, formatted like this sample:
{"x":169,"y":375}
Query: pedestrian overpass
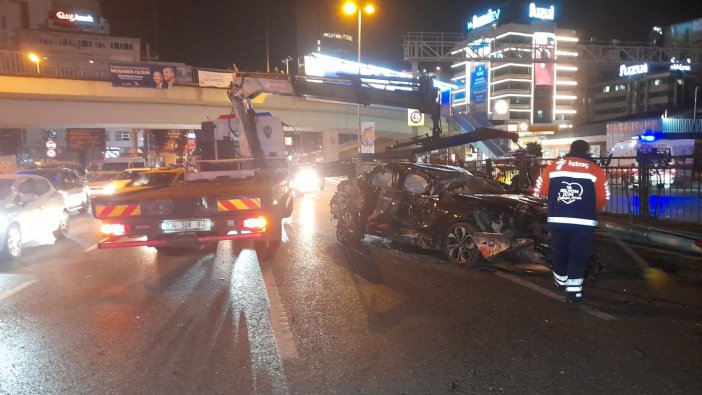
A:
{"x":53,"y":103}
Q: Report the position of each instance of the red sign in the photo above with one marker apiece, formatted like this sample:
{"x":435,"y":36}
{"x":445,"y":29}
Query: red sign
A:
{"x":51,"y":144}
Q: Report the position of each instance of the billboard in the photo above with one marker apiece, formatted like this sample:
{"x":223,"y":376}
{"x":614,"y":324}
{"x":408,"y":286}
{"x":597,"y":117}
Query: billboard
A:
{"x":544,"y":55}
{"x":367,"y":137}
{"x":478,"y":87}
{"x":148,"y":75}
{"x":214,"y":79}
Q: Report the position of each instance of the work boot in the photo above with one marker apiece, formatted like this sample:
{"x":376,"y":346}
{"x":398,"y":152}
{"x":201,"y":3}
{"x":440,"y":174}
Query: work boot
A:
{"x":574,"y":299}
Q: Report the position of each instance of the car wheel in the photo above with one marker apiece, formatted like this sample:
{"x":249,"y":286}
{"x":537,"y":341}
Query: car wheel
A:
{"x":62,"y":231}
{"x":347,"y":229}
{"x":266,"y":249}
{"x":12,"y":247}
{"x":459,"y":246}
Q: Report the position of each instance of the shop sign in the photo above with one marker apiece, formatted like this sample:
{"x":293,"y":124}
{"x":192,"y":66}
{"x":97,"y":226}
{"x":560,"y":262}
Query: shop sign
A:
{"x":72,"y":17}
{"x":542,"y":12}
{"x":491,"y":16}
{"x":637,"y":69}
{"x":680,"y":66}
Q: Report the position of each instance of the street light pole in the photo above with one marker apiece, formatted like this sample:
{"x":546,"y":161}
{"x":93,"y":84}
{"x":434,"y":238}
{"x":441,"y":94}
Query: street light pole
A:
{"x":358,"y":105}
{"x":349,"y":8}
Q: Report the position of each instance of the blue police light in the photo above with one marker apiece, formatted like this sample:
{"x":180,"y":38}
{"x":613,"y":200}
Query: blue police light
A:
{"x":649,"y":136}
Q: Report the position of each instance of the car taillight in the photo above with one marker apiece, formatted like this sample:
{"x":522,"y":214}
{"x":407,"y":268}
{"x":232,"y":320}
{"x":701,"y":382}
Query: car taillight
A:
{"x":113,"y":229}
{"x":254,"y":223}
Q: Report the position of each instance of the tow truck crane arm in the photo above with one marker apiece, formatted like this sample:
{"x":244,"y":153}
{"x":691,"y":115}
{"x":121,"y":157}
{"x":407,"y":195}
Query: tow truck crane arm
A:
{"x":417,"y":93}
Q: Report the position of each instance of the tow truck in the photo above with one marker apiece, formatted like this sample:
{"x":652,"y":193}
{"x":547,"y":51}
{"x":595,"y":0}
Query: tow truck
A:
{"x":243,"y":192}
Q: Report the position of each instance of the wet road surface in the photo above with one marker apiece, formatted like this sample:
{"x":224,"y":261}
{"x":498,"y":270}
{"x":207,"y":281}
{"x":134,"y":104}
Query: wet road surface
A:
{"x":323,"y":318}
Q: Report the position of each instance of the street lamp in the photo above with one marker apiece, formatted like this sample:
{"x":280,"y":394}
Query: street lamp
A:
{"x":351,"y":8}
{"x":35,"y":59}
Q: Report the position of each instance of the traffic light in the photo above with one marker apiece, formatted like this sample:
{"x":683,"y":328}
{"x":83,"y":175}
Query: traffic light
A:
{"x":49,"y":135}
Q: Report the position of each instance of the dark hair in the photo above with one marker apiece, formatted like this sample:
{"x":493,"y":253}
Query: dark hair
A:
{"x":580,"y":147}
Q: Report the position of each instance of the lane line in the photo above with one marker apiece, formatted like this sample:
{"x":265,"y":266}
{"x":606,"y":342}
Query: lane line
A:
{"x":91,"y":248}
{"x":553,"y":295}
{"x":16,"y":290}
{"x":284,"y":341}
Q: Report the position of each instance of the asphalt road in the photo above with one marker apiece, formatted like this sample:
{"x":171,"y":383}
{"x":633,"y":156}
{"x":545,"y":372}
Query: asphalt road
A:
{"x":322,"y":318}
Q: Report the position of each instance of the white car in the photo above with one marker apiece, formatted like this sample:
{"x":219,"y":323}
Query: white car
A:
{"x":30,"y":208}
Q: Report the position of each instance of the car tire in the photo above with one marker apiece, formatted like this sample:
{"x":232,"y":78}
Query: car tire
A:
{"x":266,"y":249}
{"x":12,"y":245}
{"x":348,"y":228}
{"x":62,"y":231}
{"x":460,"y":247}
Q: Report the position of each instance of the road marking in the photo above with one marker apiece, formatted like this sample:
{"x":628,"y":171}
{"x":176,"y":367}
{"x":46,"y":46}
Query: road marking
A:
{"x":643,"y":265}
{"x":546,"y":292}
{"x":16,"y":290}
{"x":284,"y":341}
{"x":91,"y":248}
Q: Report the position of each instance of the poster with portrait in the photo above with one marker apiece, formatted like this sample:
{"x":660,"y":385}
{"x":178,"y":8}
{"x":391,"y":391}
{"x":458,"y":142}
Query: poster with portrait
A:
{"x":544,"y":76}
{"x":146,"y":76}
{"x":367,"y":137}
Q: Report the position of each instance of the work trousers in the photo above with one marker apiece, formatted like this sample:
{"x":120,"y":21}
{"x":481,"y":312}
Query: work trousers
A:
{"x":571,"y":254}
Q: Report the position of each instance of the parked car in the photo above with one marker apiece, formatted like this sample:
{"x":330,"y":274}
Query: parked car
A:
{"x":445,"y":208}
{"x":29,"y":208}
{"x":73,"y":188}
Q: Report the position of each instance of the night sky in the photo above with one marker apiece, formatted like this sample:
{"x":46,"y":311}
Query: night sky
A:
{"x":216,"y":33}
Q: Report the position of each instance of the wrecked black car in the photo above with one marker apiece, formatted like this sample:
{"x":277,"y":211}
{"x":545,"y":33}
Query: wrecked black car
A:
{"x":445,"y":208}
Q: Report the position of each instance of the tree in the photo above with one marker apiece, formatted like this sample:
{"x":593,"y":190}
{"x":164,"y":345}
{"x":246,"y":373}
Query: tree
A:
{"x":534,"y":149}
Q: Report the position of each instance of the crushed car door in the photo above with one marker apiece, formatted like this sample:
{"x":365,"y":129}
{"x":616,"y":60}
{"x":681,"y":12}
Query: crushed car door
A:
{"x":416,"y":201}
{"x":379,"y":197}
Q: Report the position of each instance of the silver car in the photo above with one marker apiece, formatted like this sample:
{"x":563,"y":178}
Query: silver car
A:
{"x":30,"y":208}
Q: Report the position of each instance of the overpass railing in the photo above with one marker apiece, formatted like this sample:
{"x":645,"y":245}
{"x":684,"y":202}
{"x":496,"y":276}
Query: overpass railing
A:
{"x":80,"y":68}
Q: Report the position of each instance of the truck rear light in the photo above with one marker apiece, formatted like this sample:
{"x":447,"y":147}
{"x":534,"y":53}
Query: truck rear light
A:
{"x":254,"y":223}
{"x":113,"y":229}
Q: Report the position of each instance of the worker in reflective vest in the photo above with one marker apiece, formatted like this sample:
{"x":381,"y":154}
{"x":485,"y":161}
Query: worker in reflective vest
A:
{"x":577,"y":188}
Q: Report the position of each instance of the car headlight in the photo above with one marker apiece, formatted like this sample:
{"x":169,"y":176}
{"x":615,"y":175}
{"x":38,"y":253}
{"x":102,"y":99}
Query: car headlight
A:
{"x":306,"y":180}
{"x":109,"y":189}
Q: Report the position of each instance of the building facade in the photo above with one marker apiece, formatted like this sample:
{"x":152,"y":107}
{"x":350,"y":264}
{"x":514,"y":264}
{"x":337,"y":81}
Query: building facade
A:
{"x":519,"y":67}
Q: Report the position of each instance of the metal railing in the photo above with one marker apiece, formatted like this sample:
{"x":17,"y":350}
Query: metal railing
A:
{"x":666,"y":192}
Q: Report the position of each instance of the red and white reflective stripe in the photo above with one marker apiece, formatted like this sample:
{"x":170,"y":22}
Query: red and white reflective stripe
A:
{"x":572,"y":221}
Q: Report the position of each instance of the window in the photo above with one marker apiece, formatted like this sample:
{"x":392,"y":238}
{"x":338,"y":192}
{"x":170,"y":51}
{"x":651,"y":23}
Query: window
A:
{"x":414,"y":183}
{"x":383,"y":178}
{"x":123,"y":135}
{"x":605,"y":89}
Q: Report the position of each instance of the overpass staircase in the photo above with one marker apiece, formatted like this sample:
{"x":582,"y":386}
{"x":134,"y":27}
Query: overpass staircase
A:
{"x":469,"y":122}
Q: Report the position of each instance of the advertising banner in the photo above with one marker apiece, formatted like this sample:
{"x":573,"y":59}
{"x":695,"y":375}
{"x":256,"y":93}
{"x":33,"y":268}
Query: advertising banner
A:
{"x":544,"y":76}
{"x":478,"y":87}
{"x":147,"y":76}
{"x":367,"y":137}
{"x":214,"y":79}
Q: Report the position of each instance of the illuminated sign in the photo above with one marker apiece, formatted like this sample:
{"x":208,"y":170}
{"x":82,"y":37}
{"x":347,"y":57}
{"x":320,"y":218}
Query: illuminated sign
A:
{"x":491,"y":16}
{"x":628,"y":71}
{"x":680,"y":66}
{"x":71,"y":17}
{"x":541,"y":12}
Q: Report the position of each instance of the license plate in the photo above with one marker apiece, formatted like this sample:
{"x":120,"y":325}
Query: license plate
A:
{"x":186,"y":226}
